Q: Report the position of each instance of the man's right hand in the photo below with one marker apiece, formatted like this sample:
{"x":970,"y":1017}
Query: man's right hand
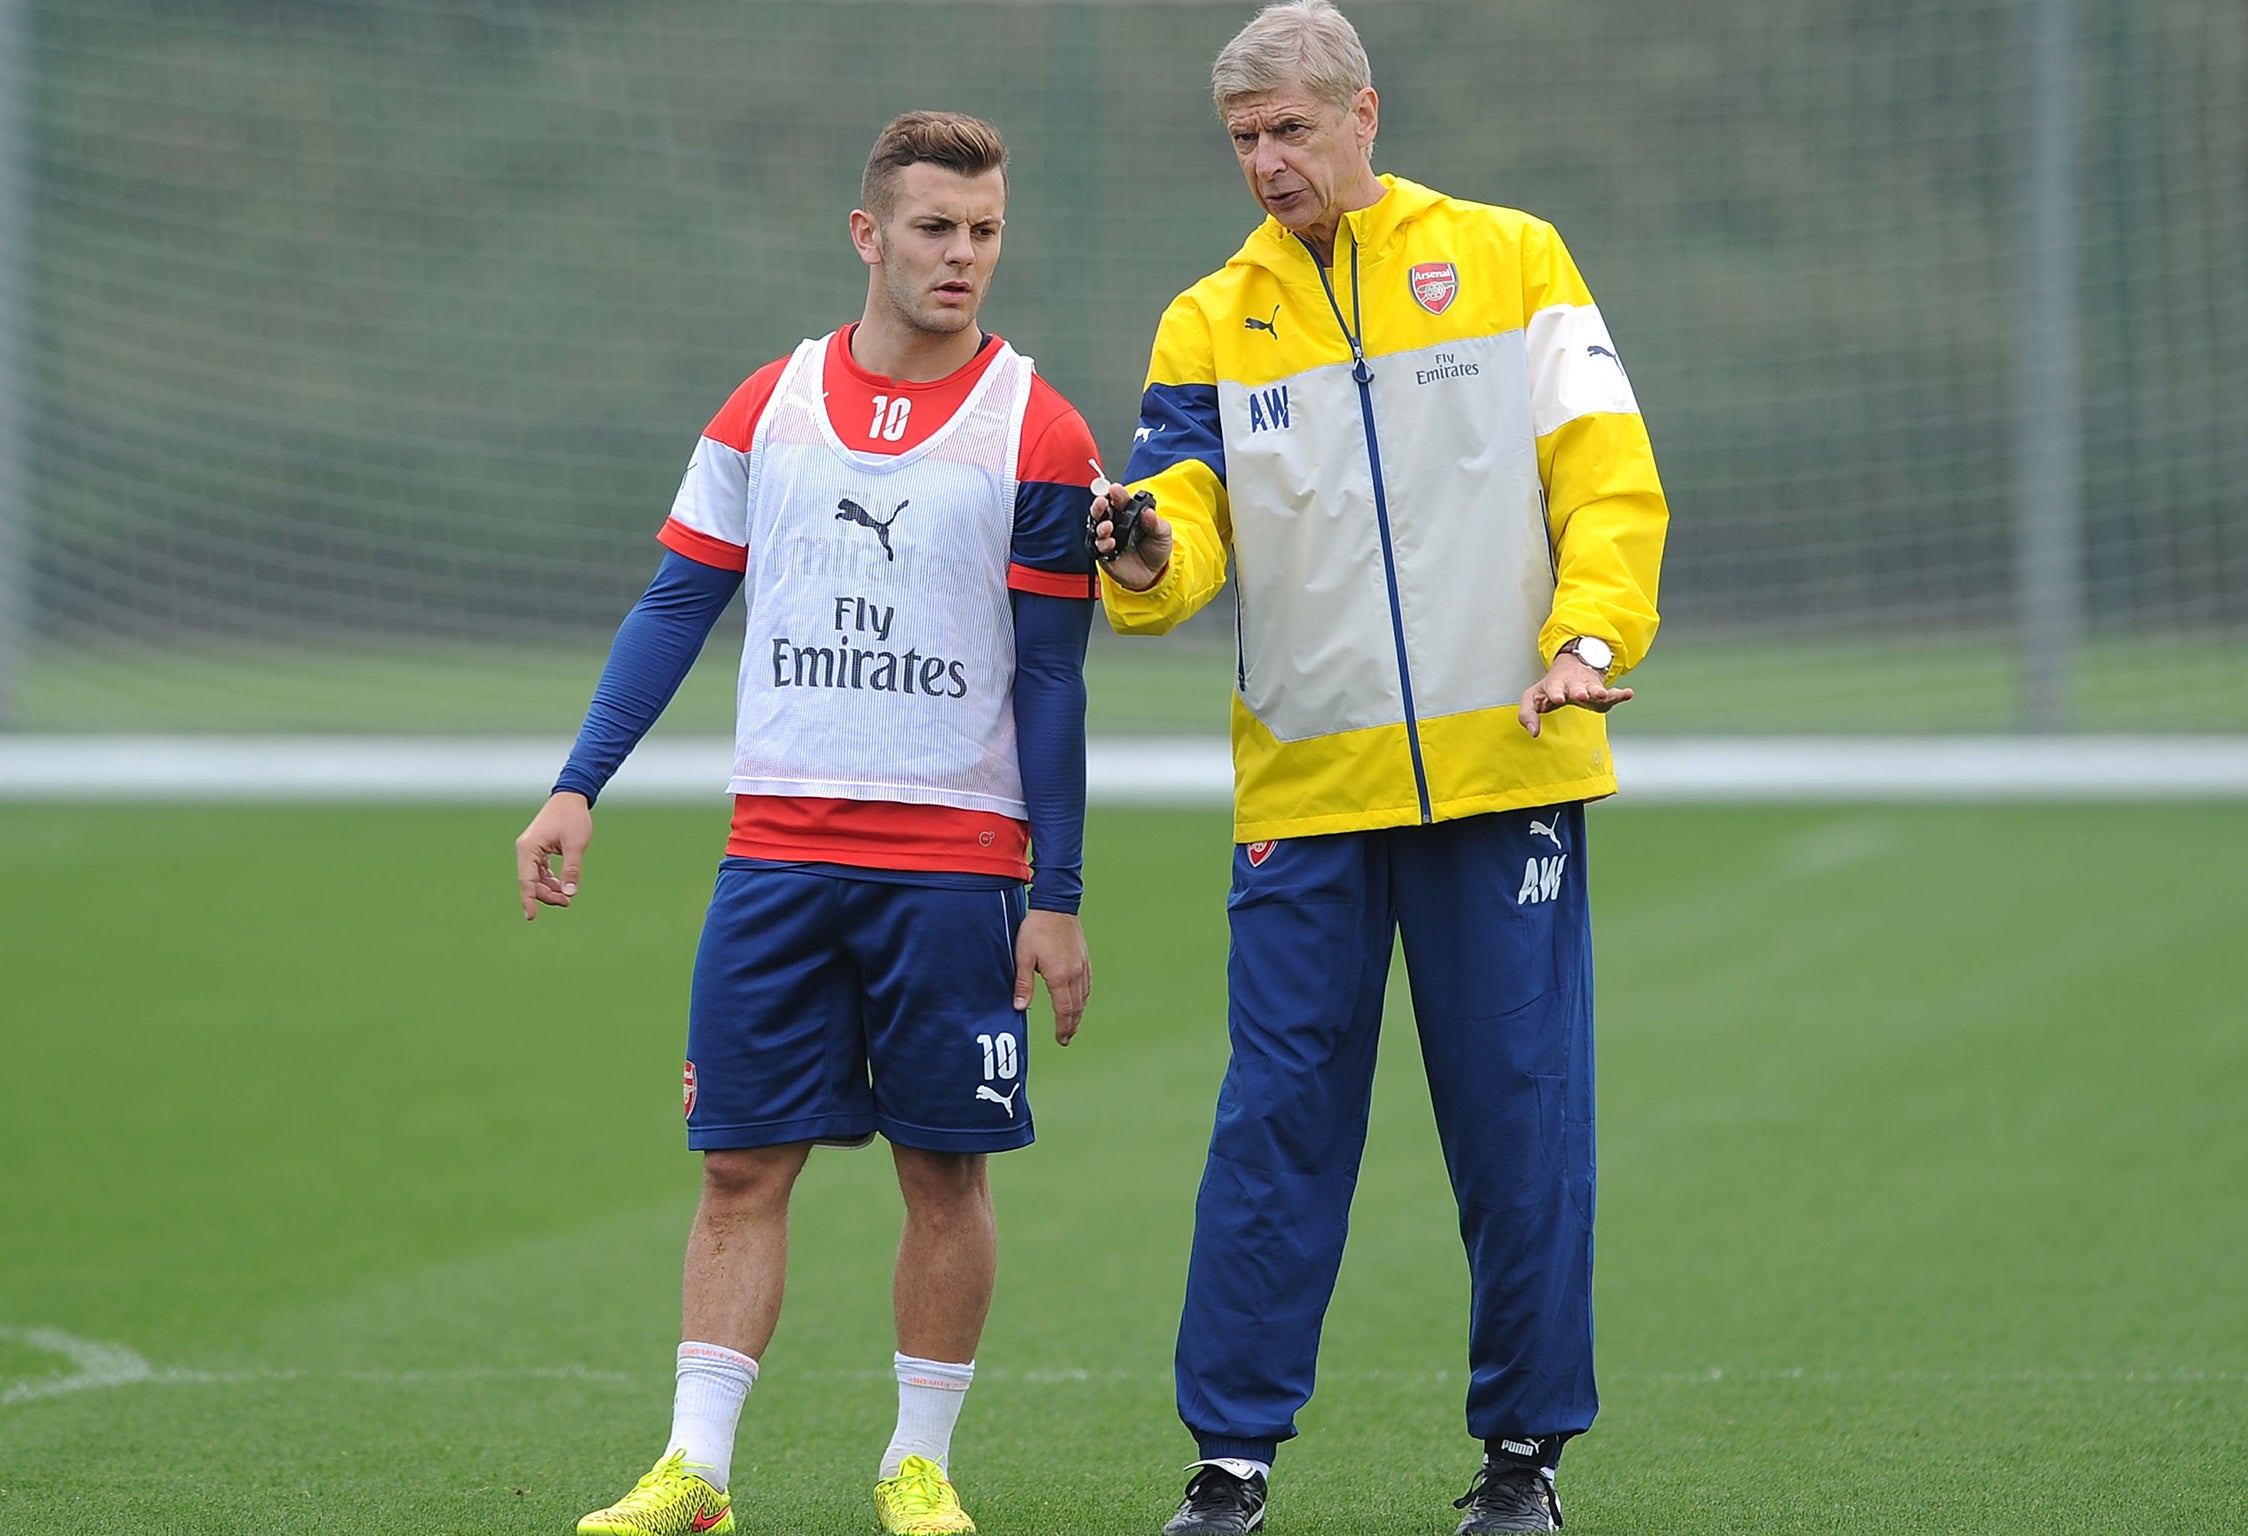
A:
{"x":1141,"y":567}
{"x":562,"y":828}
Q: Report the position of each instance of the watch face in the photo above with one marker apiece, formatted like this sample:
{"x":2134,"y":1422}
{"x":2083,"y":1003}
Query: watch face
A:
{"x":1595,"y":654}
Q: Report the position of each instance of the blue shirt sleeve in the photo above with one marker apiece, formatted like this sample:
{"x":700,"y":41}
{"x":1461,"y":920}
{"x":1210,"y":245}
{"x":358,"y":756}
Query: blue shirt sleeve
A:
{"x":1050,"y":635}
{"x":1050,"y":533}
{"x":1178,"y":422}
{"x":655,"y":648}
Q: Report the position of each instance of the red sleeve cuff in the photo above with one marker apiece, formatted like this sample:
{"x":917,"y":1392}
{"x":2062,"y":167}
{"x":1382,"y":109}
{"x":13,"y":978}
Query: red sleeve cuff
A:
{"x":701,"y":547}
{"x":1024,"y":578}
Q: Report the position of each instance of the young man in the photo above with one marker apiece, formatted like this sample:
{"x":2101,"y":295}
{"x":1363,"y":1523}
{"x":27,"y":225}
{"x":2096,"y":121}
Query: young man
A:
{"x":904,"y":500}
{"x":1403,"y":418}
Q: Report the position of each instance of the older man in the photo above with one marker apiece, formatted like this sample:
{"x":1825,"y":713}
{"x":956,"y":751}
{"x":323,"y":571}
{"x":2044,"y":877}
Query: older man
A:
{"x":1402,"y":414}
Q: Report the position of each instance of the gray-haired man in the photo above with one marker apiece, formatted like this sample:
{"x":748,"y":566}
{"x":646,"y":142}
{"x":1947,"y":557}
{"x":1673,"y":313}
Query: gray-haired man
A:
{"x":1401,"y":416}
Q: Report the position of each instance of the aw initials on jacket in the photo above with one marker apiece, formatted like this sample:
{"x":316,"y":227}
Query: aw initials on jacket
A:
{"x":1268,"y":408}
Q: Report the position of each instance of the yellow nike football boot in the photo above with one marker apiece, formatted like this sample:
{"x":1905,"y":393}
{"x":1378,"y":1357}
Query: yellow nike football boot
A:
{"x":670,"y":1501}
{"x":919,"y":1502}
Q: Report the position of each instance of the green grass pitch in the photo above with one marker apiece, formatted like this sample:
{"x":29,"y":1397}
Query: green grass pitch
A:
{"x":1924,"y":1200}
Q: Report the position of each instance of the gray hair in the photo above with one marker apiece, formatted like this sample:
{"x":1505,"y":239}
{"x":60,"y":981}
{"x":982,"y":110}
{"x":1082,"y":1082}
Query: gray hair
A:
{"x":1303,"y":42}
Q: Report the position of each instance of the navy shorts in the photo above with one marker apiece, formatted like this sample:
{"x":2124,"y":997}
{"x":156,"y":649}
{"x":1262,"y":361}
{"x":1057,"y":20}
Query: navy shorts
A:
{"x":827,"y":1008}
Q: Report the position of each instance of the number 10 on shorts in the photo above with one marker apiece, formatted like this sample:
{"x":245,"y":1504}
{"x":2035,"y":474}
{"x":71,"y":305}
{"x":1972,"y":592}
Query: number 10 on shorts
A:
{"x":1001,"y":1060}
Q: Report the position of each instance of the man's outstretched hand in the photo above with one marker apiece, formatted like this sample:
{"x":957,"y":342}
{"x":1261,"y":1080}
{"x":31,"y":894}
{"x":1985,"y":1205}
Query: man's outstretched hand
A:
{"x":1052,"y":945}
{"x":562,"y":829}
{"x":1568,"y":682}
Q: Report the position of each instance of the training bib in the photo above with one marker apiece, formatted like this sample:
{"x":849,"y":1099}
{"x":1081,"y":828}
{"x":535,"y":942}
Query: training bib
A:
{"x":880,"y":662}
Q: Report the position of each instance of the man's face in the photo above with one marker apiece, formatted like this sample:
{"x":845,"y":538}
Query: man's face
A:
{"x":1302,"y":156}
{"x":936,"y":251}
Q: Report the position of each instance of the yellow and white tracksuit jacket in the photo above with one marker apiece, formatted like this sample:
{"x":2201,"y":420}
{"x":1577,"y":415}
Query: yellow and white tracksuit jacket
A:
{"x":1430,"y":471}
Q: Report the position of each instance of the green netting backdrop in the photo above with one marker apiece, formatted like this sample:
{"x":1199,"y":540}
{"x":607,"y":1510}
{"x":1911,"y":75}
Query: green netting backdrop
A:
{"x":358,"y":345}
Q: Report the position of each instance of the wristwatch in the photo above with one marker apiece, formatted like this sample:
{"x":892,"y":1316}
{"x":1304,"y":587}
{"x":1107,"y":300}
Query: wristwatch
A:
{"x":1593,"y":651}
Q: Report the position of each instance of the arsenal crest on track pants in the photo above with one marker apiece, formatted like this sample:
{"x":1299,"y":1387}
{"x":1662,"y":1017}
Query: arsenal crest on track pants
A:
{"x":1498,"y":948}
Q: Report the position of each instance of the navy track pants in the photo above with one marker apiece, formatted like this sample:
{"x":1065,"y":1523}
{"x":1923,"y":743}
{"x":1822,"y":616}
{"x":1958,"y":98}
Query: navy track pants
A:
{"x":1498,"y":948}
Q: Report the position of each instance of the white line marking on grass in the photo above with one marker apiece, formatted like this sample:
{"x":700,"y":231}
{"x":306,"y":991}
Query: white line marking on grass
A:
{"x":468,"y":770}
{"x":1719,"y":1375}
{"x":1901,"y":769}
{"x":98,"y":1365}
{"x":1176,"y":770}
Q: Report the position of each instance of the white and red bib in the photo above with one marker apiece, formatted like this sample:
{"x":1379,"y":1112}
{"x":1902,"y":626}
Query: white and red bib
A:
{"x":880,"y":656}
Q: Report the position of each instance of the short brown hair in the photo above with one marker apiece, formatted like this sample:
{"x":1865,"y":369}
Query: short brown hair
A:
{"x":966,"y":145}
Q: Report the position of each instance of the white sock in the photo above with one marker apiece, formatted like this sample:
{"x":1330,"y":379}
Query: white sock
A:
{"x":714,"y":1382}
{"x":930,"y":1393}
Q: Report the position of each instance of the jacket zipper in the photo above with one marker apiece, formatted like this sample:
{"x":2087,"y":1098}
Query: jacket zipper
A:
{"x":1364,"y":377}
{"x":1240,"y":645}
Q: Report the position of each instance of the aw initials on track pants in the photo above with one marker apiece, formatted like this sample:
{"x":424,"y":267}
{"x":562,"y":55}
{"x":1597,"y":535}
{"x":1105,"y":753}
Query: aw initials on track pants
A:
{"x":1498,"y":948}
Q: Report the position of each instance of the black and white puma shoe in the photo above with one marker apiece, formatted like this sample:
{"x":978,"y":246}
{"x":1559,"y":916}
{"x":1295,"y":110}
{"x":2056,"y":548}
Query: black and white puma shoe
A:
{"x":1217,"y":1503}
{"x":1508,"y":1496}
